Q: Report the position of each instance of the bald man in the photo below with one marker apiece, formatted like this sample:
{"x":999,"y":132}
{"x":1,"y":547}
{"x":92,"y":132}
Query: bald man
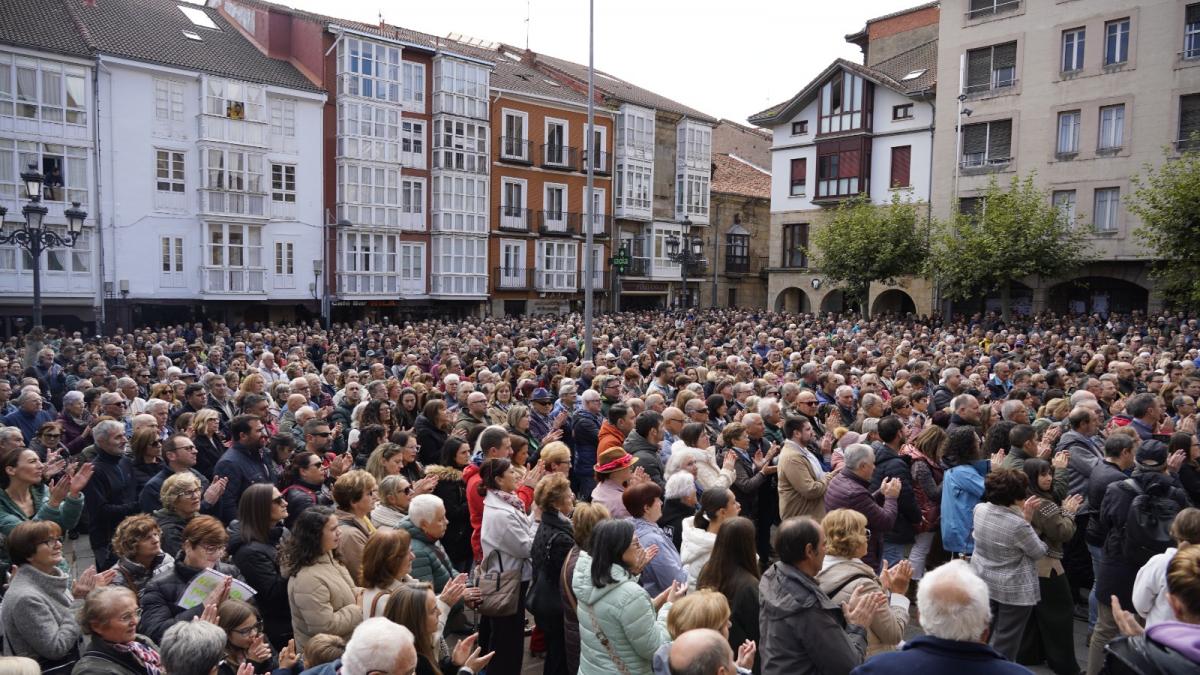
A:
{"x":702,"y":651}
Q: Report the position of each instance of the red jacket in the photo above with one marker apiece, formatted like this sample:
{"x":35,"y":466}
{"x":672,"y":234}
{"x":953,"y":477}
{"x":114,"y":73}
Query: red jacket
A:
{"x":475,"y":506}
{"x":610,"y":437}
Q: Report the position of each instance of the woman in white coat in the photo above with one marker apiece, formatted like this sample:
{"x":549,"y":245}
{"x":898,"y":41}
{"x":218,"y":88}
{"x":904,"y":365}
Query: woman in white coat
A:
{"x":506,"y":537}
{"x":700,"y":532}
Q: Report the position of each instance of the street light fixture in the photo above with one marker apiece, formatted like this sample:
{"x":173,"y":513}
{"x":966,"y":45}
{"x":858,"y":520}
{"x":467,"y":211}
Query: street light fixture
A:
{"x":35,"y":238}
{"x":687,"y":251}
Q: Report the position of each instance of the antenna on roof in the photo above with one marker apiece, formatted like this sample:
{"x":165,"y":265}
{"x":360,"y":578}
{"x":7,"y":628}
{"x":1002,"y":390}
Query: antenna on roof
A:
{"x":527,"y":24}
{"x":382,"y":23}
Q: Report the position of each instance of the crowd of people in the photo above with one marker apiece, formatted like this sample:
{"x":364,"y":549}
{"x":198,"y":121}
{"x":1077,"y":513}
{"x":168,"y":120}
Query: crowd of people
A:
{"x":723,"y":491}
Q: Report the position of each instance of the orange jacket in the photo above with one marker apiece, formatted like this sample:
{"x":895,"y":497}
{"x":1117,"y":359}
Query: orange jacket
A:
{"x":610,"y":437}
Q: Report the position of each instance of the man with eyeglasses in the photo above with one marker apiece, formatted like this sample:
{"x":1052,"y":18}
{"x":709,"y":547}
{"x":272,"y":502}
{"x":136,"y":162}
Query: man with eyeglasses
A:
{"x":179,"y":456}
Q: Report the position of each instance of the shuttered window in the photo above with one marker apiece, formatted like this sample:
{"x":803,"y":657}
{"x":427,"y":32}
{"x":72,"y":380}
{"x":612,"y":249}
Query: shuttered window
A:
{"x":992,"y":67}
{"x":1191,"y":32}
{"x":987,"y":143}
{"x":1189,"y":119}
{"x":999,"y":140}
{"x":901,"y":161}
{"x":799,"y":174}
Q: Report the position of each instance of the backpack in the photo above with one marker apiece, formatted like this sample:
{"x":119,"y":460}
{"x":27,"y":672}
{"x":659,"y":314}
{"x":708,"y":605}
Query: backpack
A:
{"x":1148,"y":523}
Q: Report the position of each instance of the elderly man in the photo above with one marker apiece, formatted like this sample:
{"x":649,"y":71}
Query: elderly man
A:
{"x":179,"y":456}
{"x":474,"y":414}
{"x":111,"y":494}
{"x":844,"y":400}
{"x":701,"y":651}
{"x":287,"y":419}
{"x":964,"y":412}
{"x":29,"y":414}
{"x":673,"y":421}
{"x":949,"y":387}
{"x":954,"y":613}
{"x":161,"y":410}
{"x":129,"y":389}
{"x":850,"y":489}
{"x":192,"y":648}
{"x":270,"y":372}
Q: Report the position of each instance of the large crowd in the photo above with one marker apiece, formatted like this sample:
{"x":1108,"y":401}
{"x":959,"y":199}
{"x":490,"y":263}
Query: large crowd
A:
{"x":721,"y":491}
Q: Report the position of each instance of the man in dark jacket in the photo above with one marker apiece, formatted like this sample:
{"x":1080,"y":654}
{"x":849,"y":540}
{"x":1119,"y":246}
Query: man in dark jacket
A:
{"x":802,"y":631}
{"x":849,"y":489}
{"x":945,"y":392}
{"x":585,"y":433}
{"x":889,"y":463}
{"x":643,"y":443}
{"x":243,"y":464}
{"x":111,"y":494}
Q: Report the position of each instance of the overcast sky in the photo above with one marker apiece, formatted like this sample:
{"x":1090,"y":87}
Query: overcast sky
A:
{"x":728,"y":58}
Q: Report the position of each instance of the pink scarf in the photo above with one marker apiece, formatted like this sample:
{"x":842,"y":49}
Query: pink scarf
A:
{"x":145,"y":656}
{"x":511,"y":499}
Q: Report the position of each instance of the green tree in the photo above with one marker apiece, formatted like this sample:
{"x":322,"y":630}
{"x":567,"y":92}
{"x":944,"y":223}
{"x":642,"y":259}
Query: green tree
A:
{"x":1015,"y":232}
{"x":1167,"y":201}
{"x":865,"y":242}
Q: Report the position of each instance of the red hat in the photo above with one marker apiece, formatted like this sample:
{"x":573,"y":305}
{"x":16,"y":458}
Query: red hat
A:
{"x":613,"y":460}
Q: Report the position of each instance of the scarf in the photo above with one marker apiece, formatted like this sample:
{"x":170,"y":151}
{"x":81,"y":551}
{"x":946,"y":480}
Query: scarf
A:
{"x":511,"y":499}
{"x":146,"y":657}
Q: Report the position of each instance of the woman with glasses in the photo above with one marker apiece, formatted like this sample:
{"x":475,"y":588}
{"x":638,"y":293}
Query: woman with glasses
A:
{"x":137,"y":543}
{"x":76,"y":421}
{"x":24,"y":497}
{"x":247,"y":643}
{"x":254,"y":549}
{"x":47,"y":442}
{"x":204,"y":540}
{"x":146,"y":460}
{"x":322,"y":595}
{"x":499,"y":403}
{"x":180,"y":495}
{"x":395,"y":492}
{"x":110,"y":616}
{"x":410,"y":464}
{"x":303,"y":483}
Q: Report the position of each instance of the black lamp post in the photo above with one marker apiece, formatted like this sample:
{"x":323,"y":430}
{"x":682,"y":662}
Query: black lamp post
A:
{"x":687,"y":251}
{"x":35,"y":238}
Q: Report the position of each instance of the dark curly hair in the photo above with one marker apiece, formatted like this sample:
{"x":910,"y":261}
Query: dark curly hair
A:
{"x":304,"y":546}
{"x":1005,"y":487}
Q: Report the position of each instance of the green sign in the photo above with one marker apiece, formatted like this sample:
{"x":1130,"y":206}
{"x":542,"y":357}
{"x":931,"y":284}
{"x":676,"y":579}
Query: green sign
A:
{"x":620,"y":260}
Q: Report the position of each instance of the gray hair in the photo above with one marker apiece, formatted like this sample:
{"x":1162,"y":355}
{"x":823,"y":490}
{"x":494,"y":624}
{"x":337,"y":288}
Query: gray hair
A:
{"x":856,"y":454}
{"x":95,"y":607}
{"x":589,"y":395}
{"x":108,"y":428}
{"x":953,"y":603}
{"x":72,"y":396}
{"x":960,"y":401}
{"x":843,"y":389}
{"x":192,"y":648}
{"x":567,"y":388}
{"x":156,"y":403}
{"x":391,"y":485}
{"x":949,"y":373}
{"x":374,"y":645}
{"x":680,"y":485}
{"x":28,"y":394}
{"x":765,"y":405}
{"x":126,"y":382}
{"x":869,"y":400}
{"x":1010,"y":408}
{"x":423,"y":508}
{"x":870,"y":425}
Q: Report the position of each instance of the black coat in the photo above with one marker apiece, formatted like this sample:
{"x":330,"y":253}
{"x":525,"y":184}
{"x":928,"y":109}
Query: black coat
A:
{"x":208,"y":453}
{"x":111,"y":496}
{"x":172,"y":526}
{"x":551,"y":544}
{"x":300,"y":496}
{"x":889,"y":464}
{"x":258,"y":563}
{"x":160,"y":610}
{"x":452,"y":490}
{"x":243,"y":467}
{"x":430,"y":439}
{"x":673,"y":515}
{"x":1117,"y":574}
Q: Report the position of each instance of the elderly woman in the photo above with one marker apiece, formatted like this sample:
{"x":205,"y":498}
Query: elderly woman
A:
{"x":645,"y":506}
{"x":1007,"y":551}
{"x":204,"y":540}
{"x":387,"y":562}
{"x":137,"y":543}
{"x":24,"y":498}
{"x":180,"y":496}
{"x":506,"y":537}
{"x":321,"y":594}
{"x":395,"y":493}
{"x":679,"y":504}
{"x":551,"y":545}
{"x":47,"y":442}
{"x":426,"y":524}
{"x":206,"y":434}
{"x":110,"y":615}
{"x":844,"y":571}
{"x":253,"y":547}
{"x":355,"y":494}
{"x":76,"y":422}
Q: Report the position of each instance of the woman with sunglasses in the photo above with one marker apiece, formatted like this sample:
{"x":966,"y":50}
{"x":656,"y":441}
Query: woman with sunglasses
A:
{"x":110,"y":616}
{"x":247,"y":643}
{"x":304,"y":483}
{"x":254,"y":549}
{"x":47,"y":442}
{"x":147,"y":456}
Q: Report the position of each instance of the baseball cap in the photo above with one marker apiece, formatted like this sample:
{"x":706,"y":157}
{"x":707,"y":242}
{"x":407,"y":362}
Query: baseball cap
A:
{"x":540,"y":394}
{"x":1152,"y":454}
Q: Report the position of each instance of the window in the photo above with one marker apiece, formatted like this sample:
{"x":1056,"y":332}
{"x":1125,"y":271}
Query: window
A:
{"x":233,"y":171}
{"x":1105,"y":214}
{"x":694,"y":145}
{"x":198,"y":17}
{"x":284,"y":258}
{"x":843,"y":167}
{"x":513,"y":205}
{"x":1064,"y":201}
{"x":234,"y":100}
{"x":737,"y":253}
{"x":901,"y":163}
{"x":799,"y":176}
{"x":556,"y":265}
{"x":600,"y":156}
{"x":171,"y":264}
{"x":283,"y":183}
{"x":982,"y":8}
{"x":634,"y":186}
{"x":1068,"y":132}
{"x":460,"y":266}
{"x":1189,"y":120}
{"x":598,"y":210}
{"x":987,"y":143}
{"x":460,"y":88}
{"x":845,"y":104}
{"x":554,"y":205}
{"x":731,"y":297}
{"x":413,"y":96}
{"x":991,"y":68}
{"x":635,"y":131}
{"x":168,"y":100}
{"x":369,"y":70}
{"x":412,"y":203}
{"x":512,"y":272}
{"x":460,"y":146}
{"x":1116,"y":42}
{"x":555,"y":150}
{"x":283,"y":118}
{"x":1072,"y":50}
{"x":368,"y":194}
{"x":233,"y":256}
{"x":1191,"y":32}
{"x":368,"y":131}
{"x":795,"y":245}
{"x":515,"y":143}
{"x":691,"y":194}
{"x":412,"y":144}
{"x":46,"y":90}
{"x":460,"y":203}
{"x":1112,"y":127}
{"x":902,"y":112}
{"x":65,"y":170}
{"x":168,"y":171}
{"x":800,"y":128}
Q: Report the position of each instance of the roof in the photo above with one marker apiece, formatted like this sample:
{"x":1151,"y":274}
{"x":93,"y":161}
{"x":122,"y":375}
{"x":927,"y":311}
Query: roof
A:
{"x":902,"y":12}
{"x":46,"y":25}
{"x":616,"y":88}
{"x":922,"y":57}
{"x":736,"y":176}
{"x":511,"y":74}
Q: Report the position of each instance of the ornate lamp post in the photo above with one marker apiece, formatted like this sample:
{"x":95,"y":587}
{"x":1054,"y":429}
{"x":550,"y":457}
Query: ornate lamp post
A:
{"x":688,"y":252}
{"x":35,"y":238}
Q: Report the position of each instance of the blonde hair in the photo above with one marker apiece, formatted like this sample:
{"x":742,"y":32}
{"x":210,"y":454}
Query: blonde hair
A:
{"x":555,"y":453}
{"x":845,"y":532}
{"x":705,"y":608}
{"x":550,"y":490}
{"x":201,"y":418}
{"x":584,"y":519}
{"x":175,"y":486}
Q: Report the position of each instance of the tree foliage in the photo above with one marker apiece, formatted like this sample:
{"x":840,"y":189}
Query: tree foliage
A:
{"x":865,"y":242}
{"x":1167,"y":201}
{"x":1016,"y":232}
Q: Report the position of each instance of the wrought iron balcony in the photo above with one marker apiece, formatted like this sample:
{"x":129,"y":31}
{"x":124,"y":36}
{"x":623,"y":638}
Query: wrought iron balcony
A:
{"x":516,"y":150}
{"x":555,"y":156}
{"x":513,"y":218}
{"x":513,"y":278}
{"x":603,"y":164}
{"x":562,"y":223}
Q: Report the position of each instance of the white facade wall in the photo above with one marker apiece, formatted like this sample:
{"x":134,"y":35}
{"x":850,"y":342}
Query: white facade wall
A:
{"x":208,"y":244}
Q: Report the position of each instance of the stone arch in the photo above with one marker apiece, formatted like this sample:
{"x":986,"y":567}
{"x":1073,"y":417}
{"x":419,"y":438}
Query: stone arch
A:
{"x":1098,"y":295}
{"x":893,"y":301}
{"x":793,"y":301}
{"x":836,"y":301}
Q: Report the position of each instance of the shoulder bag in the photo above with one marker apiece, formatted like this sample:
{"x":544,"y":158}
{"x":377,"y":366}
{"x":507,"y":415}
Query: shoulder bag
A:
{"x":501,"y":591}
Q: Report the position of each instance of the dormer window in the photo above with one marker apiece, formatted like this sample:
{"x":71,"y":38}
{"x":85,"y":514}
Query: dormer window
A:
{"x":845,"y":104}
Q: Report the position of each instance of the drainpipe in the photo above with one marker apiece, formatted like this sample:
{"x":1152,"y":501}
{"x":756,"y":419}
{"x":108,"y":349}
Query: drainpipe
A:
{"x":101,"y":317}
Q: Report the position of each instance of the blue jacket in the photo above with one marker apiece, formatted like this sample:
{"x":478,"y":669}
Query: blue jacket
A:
{"x":934,"y":656}
{"x":28,"y":424}
{"x":110,"y":495}
{"x":585,"y":430}
{"x":664,"y":567}
{"x":962,"y":489}
{"x":243,"y":469}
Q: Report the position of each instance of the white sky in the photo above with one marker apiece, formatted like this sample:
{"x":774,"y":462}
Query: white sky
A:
{"x":724,"y":57}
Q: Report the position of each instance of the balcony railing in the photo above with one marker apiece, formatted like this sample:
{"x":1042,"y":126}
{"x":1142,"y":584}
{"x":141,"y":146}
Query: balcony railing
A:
{"x":601,"y":223}
{"x":513,"y":278}
{"x":379,"y":283}
{"x":516,"y":150}
{"x":603,"y":164}
{"x":226,"y":203}
{"x":556,"y":281}
{"x":638,"y":267}
{"x":555,"y":156}
{"x":699,"y":269}
{"x":745,"y":264}
{"x":993,"y":7}
{"x":513,"y":218}
{"x":234,"y":280}
{"x":558,"y":222}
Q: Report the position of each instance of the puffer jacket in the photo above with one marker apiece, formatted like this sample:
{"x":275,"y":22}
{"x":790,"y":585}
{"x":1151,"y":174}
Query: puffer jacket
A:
{"x":624,"y":612}
{"x":610,"y":437}
{"x":553,"y":541}
{"x":507,"y":532}
{"x":453,"y":491}
{"x":259,"y":565}
{"x":802,"y":631}
{"x":430,"y":563}
{"x":697,"y":547}
{"x":838,"y":579}
{"x":321,"y":597}
{"x":430,"y":439}
{"x":962,"y":488}
{"x":66,"y":515}
{"x":160,"y":609}
{"x":134,"y":576}
{"x":300,"y":496}
{"x":585,"y":428}
{"x":664,"y":568}
{"x":99,"y":658}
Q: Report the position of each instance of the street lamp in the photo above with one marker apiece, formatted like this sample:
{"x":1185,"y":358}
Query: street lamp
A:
{"x":687,"y":251}
{"x":35,"y":238}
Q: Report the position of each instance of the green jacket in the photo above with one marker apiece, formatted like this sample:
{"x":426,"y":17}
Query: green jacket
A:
{"x":430,"y":561}
{"x":625,"y":613}
{"x":65,"y":514}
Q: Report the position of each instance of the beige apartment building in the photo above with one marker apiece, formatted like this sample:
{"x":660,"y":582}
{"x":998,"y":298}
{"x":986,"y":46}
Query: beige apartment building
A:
{"x":1082,"y":92}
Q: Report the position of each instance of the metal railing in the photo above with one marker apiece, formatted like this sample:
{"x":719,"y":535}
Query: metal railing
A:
{"x":514,"y":149}
{"x":513,"y":278}
{"x":513,"y":218}
{"x":238,"y":280}
{"x":558,"y":222}
{"x":555,"y":156}
{"x":603,"y":165}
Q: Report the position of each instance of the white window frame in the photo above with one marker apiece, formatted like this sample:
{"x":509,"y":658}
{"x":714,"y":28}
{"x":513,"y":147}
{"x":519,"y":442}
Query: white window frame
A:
{"x":413,"y":89}
{"x":17,"y":155}
{"x":283,"y":182}
{"x":1069,"y":122}
{"x":1066,"y":203}
{"x":1074,"y":49}
{"x":413,"y":143}
{"x":598,"y":201}
{"x":171,"y":262}
{"x":1124,"y":27}
{"x":168,"y":100}
{"x":514,"y":216}
{"x":460,"y":145}
{"x":285,"y":265}
{"x":1112,"y":127}
{"x":460,"y":202}
{"x":223,"y":175}
{"x":379,"y":81}
{"x":518,"y":148}
{"x":634,"y":188}
{"x":172,"y":180}
{"x":1191,"y":39}
{"x":460,"y":88}
{"x":60,"y":90}
{"x":564,"y":158}
{"x":412,"y":203}
{"x":557,"y":265}
{"x":513,"y":265}
{"x":459,"y":265}
{"x":601,"y":161}
{"x":368,"y":131}
{"x":235,"y":100}
{"x":1106,"y":203}
{"x":555,"y":219}
{"x":368,"y":193}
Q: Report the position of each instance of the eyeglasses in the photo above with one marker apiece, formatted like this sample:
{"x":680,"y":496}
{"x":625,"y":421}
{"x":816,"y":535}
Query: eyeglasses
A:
{"x":281,"y":500}
{"x":191,"y":493}
{"x":212,"y":549}
{"x":325,"y":434}
{"x":868,"y":531}
{"x":408,"y":490}
{"x":806,"y":402}
{"x":130,"y":617}
{"x":155,"y":443}
{"x":247,"y":632}
{"x":52,"y":542}
{"x":51,"y":435}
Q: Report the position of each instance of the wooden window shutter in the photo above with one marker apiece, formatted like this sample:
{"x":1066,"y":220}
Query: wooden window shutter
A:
{"x":974,"y":139}
{"x":799,"y":170}
{"x":1189,"y":115}
{"x":850,"y":163}
{"x":979,"y":69}
{"x":1000,"y":140}
{"x":901,"y":159}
